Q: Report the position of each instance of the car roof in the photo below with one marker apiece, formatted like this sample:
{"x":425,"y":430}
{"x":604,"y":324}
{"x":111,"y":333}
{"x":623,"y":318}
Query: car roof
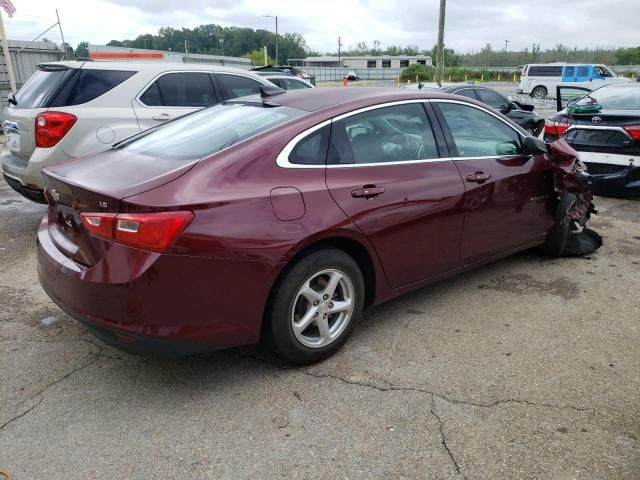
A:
{"x":150,"y":66}
{"x":347,"y":98}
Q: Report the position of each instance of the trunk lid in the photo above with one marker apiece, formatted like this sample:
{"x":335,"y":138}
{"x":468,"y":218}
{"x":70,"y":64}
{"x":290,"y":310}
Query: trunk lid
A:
{"x":603,"y":132}
{"x":97,"y":184}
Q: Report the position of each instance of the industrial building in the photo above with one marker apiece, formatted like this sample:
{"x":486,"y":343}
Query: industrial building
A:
{"x":359,"y":62}
{"x":104,"y":52}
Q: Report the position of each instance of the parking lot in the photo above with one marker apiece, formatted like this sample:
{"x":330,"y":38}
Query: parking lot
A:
{"x":524,"y":369}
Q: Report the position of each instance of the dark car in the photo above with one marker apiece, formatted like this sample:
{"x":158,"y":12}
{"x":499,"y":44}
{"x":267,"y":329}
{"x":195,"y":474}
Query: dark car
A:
{"x":521,"y":113}
{"x":281,"y":217}
{"x":603,"y":125}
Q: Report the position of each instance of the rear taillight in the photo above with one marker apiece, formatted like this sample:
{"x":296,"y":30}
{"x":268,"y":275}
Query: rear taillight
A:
{"x":633,"y":130}
{"x":148,"y":231}
{"x":99,"y":224}
{"x":552,"y":127}
{"x":51,"y":127}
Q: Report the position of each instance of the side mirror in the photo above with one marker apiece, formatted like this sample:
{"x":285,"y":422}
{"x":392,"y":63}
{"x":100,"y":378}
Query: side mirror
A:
{"x":12,"y":99}
{"x":534,"y":146}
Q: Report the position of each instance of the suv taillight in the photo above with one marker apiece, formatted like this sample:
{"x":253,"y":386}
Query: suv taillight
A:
{"x":51,"y":127}
{"x":148,"y":231}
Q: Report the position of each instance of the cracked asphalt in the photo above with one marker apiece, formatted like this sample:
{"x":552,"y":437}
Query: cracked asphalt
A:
{"x":525,"y":369}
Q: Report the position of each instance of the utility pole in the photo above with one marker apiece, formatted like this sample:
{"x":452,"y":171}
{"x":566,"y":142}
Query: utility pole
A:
{"x":276,"y":18}
{"x":506,"y":44}
{"x":339,"y":51}
{"x":64,"y":44}
{"x":440,"y":50}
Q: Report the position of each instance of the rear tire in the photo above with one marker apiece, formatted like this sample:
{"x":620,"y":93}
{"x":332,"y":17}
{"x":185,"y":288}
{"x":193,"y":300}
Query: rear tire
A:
{"x":316,"y":306}
{"x":539,"y":92}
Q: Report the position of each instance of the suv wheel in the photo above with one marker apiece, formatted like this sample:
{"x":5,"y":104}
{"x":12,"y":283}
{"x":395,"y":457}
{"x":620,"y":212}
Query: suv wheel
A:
{"x":539,"y":92}
{"x":316,"y":307}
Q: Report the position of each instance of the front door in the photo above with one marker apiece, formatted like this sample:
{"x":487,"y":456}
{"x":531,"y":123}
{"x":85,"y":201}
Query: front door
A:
{"x":508,"y":193}
{"x":385,"y":172}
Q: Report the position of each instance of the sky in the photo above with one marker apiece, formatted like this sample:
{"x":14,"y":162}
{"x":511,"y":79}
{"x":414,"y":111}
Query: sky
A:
{"x":470,"y":24}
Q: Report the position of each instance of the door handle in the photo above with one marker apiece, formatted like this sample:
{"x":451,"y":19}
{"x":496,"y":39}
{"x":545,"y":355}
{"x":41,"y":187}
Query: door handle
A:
{"x":368,"y":192}
{"x":163,"y":117}
{"x":478,"y":177}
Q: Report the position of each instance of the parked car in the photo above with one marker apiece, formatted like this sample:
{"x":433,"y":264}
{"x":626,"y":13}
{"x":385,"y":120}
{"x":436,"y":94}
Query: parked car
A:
{"x":280,"y":217}
{"x":604,"y":127}
{"x":540,"y":79}
{"x":287,"y":82}
{"x":69,"y":109}
{"x":521,"y":113}
{"x":352,"y":76}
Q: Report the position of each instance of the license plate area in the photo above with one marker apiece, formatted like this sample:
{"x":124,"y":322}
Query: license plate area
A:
{"x":13,"y":141}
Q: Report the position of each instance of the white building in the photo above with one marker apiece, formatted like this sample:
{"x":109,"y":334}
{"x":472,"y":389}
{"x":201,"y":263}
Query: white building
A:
{"x":359,"y":62}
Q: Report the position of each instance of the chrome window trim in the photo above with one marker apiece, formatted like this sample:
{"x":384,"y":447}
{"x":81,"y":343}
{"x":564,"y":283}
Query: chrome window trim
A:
{"x":597,"y":127}
{"x":282,"y":159}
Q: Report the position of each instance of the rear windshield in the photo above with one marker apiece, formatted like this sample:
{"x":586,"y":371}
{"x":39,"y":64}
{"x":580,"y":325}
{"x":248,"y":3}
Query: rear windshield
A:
{"x":208,"y":131}
{"x":611,"y":98}
{"x":39,"y":88}
{"x":63,"y":87}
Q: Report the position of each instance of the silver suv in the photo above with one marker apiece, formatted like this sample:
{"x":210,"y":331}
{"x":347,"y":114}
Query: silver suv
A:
{"x":69,"y":109}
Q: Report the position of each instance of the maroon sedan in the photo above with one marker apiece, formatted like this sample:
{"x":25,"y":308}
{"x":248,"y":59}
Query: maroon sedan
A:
{"x":283,"y":216}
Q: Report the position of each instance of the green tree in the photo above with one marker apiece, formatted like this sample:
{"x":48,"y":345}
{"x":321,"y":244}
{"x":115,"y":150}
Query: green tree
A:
{"x":257,"y":57}
{"x":82,"y":49}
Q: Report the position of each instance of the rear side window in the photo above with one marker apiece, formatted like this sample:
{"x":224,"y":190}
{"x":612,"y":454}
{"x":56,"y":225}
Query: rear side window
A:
{"x":545,"y":71}
{"x":570,"y":71}
{"x":87,"y":85}
{"x":312,"y":150}
{"x":234,"y":86}
{"x":40,"y":86}
{"x":582,"y":71}
{"x":181,"y":89}
{"x":466,"y":92}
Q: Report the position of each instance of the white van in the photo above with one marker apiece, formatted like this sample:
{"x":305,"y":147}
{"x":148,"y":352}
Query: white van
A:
{"x":538,"y":80}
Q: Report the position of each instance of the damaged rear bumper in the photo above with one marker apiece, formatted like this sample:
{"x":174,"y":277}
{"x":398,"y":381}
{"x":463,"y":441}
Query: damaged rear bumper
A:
{"x":613,"y":175}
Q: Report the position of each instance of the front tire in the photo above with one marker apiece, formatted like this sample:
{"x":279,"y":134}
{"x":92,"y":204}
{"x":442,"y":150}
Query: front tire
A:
{"x":316,"y":306}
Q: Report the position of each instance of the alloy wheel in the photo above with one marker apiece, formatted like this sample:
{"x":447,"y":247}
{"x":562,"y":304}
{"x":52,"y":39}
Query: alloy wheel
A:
{"x":322,"y":308}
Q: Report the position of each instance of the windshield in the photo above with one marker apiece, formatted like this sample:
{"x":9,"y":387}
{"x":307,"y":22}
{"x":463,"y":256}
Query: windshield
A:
{"x":610,"y":98}
{"x":208,"y":131}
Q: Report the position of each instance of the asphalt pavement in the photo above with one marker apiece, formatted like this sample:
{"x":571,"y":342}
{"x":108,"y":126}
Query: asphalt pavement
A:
{"x":528,"y":368}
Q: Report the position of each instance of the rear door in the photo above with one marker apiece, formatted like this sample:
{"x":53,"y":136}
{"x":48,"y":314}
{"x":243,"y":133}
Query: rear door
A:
{"x":508,"y":193}
{"x":172,"y":95}
{"x":386,"y":172}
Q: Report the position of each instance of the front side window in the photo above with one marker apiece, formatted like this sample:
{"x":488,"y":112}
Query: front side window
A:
{"x":492,"y":99}
{"x":234,"y":86}
{"x":399,"y":133}
{"x":180,"y":89}
{"x":479,"y":134}
{"x":207,"y":131}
